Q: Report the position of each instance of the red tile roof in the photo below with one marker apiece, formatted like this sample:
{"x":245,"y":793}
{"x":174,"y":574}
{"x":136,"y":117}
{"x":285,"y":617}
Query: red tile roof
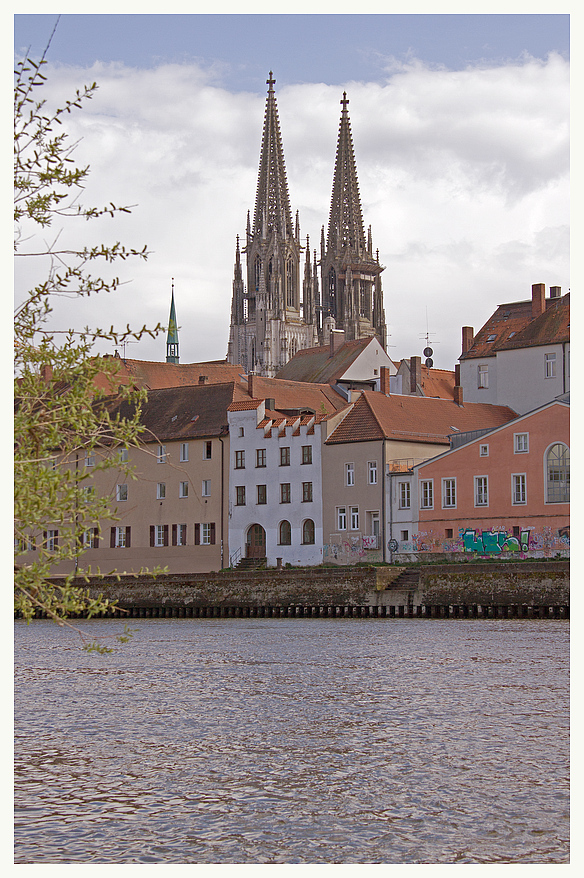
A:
{"x":154,"y":375}
{"x":316,"y":365}
{"x":512,"y":326}
{"x":414,"y":419}
{"x":296,"y":396}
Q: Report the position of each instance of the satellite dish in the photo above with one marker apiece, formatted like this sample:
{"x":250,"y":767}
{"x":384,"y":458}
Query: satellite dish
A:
{"x":428,"y":352}
{"x":429,"y":362}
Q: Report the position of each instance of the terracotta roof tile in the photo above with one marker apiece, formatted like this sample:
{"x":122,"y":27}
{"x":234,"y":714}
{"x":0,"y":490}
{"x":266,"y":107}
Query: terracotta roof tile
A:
{"x":315,"y":365}
{"x":156,"y":375}
{"x":292,"y":396}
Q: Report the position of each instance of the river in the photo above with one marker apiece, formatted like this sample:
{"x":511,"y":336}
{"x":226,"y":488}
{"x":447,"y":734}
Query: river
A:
{"x":300,"y":741}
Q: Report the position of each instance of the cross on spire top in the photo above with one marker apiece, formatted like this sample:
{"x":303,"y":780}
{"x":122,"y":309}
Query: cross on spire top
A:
{"x":270,"y":82}
{"x":344,"y":101}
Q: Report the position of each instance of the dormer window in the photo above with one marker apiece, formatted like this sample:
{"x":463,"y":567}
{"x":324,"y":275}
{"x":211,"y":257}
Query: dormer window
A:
{"x":491,"y":338}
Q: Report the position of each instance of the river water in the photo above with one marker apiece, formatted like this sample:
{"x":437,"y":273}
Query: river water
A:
{"x":218,"y":741}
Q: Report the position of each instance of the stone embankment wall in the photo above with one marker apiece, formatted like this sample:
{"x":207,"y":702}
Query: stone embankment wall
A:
{"x":339,"y":591}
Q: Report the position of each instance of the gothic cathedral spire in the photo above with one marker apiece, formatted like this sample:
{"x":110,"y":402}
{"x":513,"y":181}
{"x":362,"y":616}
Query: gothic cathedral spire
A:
{"x":268,"y":316}
{"x":350,"y":275}
{"x":172,"y":334}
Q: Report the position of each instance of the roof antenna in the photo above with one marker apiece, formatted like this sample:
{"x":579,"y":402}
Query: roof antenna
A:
{"x":429,"y":362}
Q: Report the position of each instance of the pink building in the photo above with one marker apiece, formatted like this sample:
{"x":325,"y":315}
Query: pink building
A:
{"x":507,"y":490}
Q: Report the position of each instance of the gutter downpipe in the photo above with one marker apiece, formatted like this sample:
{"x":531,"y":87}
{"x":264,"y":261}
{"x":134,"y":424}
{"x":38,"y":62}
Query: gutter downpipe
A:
{"x":563,"y":367}
{"x":222,"y":499}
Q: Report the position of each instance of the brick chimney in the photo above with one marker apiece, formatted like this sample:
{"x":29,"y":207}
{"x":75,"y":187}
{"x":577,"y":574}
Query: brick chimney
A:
{"x":467,"y":338}
{"x":384,"y":380}
{"x":537,"y":300}
{"x":415,"y":373}
{"x":555,"y":292}
{"x":250,"y":384}
{"x":457,"y":385}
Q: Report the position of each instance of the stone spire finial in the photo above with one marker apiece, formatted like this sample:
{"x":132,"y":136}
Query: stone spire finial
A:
{"x":172,"y":335}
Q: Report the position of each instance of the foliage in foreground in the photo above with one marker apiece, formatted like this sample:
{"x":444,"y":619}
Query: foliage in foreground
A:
{"x":59,"y":384}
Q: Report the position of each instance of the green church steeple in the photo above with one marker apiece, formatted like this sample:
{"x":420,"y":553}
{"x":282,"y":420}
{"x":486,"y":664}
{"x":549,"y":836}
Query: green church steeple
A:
{"x":172,"y":335}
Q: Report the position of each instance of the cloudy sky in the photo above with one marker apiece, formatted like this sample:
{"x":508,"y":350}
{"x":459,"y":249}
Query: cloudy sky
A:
{"x":461,"y":133}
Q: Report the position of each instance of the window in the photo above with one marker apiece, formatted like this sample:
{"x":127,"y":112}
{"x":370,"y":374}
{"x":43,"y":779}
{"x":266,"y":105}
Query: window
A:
{"x":184,"y":451}
{"x":260,"y":457}
{"x":404,"y":536}
{"x":372,"y":472}
{"x":483,"y":377}
{"x":341,"y":518}
{"x":121,"y":492}
{"x":285,"y":492}
{"x":207,"y":446}
{"x":161,"y":454}
{"x":206,"y":488}
{"x":240,"y":495}
{"x":308,"y":532}
{"x":354,"y":517}
{"x":120,"y":538}
{"x":285,"y":456}
{"x":205,"y":534}
{"x":483,"y":450}
{"x":427,"y":494}
{"x":89,"y":459}
{"x":124,"y":455}
{"x":179,"y":535}
{"x":240,"y":432}
{"x":481,"y":484}
{"x":284,"y":534}
{"x":448,"y":493}
{"x":161,"y":491}
{"x":558,"y":473}
{"x":521,"y":443}
{"x":307,"y":492}
{"x":448,"y":533}
{"x":262,"y":495}
{"x":349,"y":474}
{"x":90,"y":538}
{"x":183,"y":489}
{"x":491,"y":337}
{"x":240,"y":460}
{"x":519,"y":484}
{"x":307,"y":454}
{"x":404,"y":495}
{"x":550,"y":365}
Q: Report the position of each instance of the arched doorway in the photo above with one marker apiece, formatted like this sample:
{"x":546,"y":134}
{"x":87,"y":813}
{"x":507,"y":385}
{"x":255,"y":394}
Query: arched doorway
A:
{"x":255,"y":544}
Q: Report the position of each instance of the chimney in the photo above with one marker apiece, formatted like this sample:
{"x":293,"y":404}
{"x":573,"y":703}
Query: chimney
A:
{"x":537,"y":300}
{"x":337,"y":339}
{"x":458,"y":394}
{"x":555,"y":292}
{"x":415,"y":374}
{"x":384,"y":380}
{"x":467,"y":338}
{"x":203,"y":379}
{"x":250,"y":384}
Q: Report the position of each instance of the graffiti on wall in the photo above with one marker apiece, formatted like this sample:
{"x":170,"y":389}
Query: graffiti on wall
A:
{"x":490,"y":542}
{"x":496,"y":541}
{"x":351,"y":550}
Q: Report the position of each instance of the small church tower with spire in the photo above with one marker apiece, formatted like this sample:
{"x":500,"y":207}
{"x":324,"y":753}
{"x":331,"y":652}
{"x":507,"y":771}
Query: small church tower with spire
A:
{"x":352,"y":298}
{"x":270,"y":319}
{"x":172,"y":334}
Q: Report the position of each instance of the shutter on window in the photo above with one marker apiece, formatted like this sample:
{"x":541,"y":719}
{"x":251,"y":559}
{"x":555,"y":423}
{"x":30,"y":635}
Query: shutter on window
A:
{"x":197,"y":534}
{"x":174,"y":535}
{"x":128,"y":537}
{"x":112,"y":538}
{"x":152,"y":533}
{"x":44,"y":539}
{"x":212,"y":536}
{"x":165,"y":539}
{"x":96,"y":537}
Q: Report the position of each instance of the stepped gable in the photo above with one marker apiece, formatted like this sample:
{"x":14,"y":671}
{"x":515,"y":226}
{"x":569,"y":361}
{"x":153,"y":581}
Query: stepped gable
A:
{"x":316,"y":364}
{"x":415,"y":419}
{"x":193,"y":412}
{"x":155,"y":375}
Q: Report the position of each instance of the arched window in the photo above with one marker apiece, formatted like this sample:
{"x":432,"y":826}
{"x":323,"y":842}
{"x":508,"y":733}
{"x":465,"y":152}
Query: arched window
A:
{"x":332,"y":293}
{"x":290,"y":286}
{"x":308,"y":532}
{"x":558,"y":473}
{"x":257,"y":270}
{"x":285,"y":534}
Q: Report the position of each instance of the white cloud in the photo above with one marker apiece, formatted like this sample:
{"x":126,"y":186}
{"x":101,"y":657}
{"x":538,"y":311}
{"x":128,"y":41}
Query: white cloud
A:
{"x":463,"y":177}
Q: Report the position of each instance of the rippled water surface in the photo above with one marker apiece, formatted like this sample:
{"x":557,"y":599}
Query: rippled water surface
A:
{"x":294,"y":741}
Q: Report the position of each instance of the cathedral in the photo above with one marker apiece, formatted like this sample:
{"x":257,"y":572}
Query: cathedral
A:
{"x":277,"y":308}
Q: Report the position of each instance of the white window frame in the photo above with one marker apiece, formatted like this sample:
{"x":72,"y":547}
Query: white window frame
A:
{"x":404,"y":495}
{"x":481,"y":492}
{"x":549,"y":361}
{"x":354,"y":517}
{"x":483,"y":450}
{"x":205,"y":534}
{"x":349,"y":475}
{"x":159,"y":535}
{"x":371,"y":472}
{"x":181,"y":534}
{"x":449,"y":493}
{"x":341,"y":518}
{"x":519,"y":480}
{"x":184,"y":452}
{"x":426,"y":493}
{"x":483,"y":376}
{"x":206,"y":488}
{"x":161,"y":454}
{"x":121,"y":493}
{"x":183,"y":490}
{"x":519,"y":440}
{"x":124,"y":455}
{"x":120,"y":538}
{"x":161,"y":491}
{"x":89,"y":459}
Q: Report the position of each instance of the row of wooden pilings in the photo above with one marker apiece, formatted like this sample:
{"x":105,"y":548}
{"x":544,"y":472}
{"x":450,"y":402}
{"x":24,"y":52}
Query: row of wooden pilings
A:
{"x":423,"y":611}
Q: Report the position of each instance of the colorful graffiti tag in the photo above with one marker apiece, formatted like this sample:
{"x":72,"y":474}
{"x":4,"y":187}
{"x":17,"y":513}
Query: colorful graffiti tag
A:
{"x":489,"y":542}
